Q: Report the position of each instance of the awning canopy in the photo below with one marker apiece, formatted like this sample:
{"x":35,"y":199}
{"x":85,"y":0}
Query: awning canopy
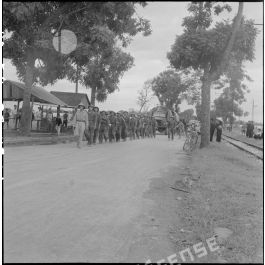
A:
{"x":14,"y":91}
{"x":72,"y":99}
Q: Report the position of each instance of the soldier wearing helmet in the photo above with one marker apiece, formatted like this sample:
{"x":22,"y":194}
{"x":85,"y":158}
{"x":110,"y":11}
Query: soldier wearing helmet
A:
{"x":120,"y":123}
{"x":113,"y":126}
{"x":80,"y":121}
{"x":92,"y":125}
{"x":97,"y":120}
{"x":127,"y":125}
{"x":103,"y":127}
{"x":132,"y":126}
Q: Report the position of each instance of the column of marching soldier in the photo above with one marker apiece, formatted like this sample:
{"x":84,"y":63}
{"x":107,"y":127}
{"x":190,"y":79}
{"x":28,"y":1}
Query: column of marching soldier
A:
{"x":111,"y":126}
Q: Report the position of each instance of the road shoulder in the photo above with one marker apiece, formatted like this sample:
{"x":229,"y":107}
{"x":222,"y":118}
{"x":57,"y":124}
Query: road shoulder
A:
{"x":226,"y":193}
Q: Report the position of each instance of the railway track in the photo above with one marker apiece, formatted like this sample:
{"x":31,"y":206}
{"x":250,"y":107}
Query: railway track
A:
{"x":247,"y":147}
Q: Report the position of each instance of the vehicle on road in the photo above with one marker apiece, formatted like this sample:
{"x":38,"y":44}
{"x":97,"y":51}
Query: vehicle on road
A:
{"x":160,"y":115}
{"x":258,"y":133}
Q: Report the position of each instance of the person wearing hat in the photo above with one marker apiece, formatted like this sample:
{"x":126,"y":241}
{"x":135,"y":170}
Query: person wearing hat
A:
{"x":154,"y":126}
{"x":127,"y":125}
{"x":123,"y":126}
{"x":65,"y":119}
{"x":120,"y":123}
{"x":146,"y":126}
{"x":92,"y":125}
{"x":132,"y":126}
{"x":49,"y":117}
{"x":113,"y":126}
{"x":80,"y":121}
{"x":219,"y":128}
{"x":171,"y":127}
{"x":103,"y":127}
{"x":97,"y":120}
{"x":137,"y":128}
{"x":212,"y":128}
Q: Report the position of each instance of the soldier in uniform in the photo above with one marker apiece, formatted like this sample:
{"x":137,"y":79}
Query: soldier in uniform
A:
{"x":146,"y":124}
{"x":127,"y":125}
{"x":154,"y":126}
{"x":171,"y":128}
{"x":132,"y":125}
{"x":113,"y":126}
{"x":103,"y":127}
{"x":138,"y":129}
{"x":120,"y":123}
{"x":150,"y":130}
{"x":92,"y":125}
{"x":97,"y":120}
{"x":80,"y":121}
{"x":141,"y":125}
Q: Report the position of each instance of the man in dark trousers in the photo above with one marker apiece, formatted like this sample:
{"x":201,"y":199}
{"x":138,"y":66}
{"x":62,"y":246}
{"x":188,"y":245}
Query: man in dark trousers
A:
{"x":92,"y":124}
{"x":250,"y":129}
{"x":103,"y":127}
{"x":113,"y":126}
{"x":219,"y":128}
{"x":212,"y":128}
{"x":97,"y":118}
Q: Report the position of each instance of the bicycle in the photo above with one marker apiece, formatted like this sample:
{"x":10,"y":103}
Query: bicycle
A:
{"x":191,"y":140}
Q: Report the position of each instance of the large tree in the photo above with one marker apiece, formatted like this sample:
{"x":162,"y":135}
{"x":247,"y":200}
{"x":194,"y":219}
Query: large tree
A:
{"x":210,"y":49}
{"x":168,"y":87}
{"x":227,"y":108}
{"x":33,"y":25}
{"x":103,"y":73}
{"x":227,"y":105}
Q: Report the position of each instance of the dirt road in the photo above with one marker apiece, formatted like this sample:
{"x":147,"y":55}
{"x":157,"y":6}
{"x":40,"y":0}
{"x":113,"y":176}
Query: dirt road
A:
{"x":105,"y":203}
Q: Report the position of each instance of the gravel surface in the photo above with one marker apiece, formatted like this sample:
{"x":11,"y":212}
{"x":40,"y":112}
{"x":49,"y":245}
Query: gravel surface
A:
{"x":133,"y":201}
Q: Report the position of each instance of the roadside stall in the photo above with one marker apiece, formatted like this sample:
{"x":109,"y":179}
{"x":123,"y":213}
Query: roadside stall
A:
{"x":14,"y":91}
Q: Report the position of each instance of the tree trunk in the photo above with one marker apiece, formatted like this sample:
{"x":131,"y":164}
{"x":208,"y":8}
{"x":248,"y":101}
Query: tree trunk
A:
{"x":93,"y":96}
{"x":26,"y":115}
{"x":205,"y":112}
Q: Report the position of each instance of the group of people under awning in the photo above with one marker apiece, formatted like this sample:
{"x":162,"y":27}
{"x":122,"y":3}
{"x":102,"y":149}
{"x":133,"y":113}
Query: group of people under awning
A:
{"x":41,"y":120}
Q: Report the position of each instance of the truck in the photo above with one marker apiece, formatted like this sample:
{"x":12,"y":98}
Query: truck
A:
{"x":159,"y":113}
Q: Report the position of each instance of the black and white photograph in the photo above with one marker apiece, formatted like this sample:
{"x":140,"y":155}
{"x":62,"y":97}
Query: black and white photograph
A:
{"x":132,"y":132}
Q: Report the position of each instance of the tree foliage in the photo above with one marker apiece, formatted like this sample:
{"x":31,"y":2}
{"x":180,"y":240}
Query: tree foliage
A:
{"x":192,"y":93}
{"x":168,"y":87}
{"x":32,"y":26}
{"x":103,"y":73}
{"x":211,"y":48}
{"x":202,"y":48}
{"x":226,"y":107}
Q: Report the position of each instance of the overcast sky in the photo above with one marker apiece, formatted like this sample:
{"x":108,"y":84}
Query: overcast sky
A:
{"x":150,"y":57}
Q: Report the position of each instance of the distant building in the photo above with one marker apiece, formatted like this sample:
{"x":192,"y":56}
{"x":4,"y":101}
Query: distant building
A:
{"x":72,"y":99}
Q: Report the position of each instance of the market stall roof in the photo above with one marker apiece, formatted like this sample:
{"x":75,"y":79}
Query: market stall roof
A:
{"x":14,"y":91}
{"x":72,"y":99}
